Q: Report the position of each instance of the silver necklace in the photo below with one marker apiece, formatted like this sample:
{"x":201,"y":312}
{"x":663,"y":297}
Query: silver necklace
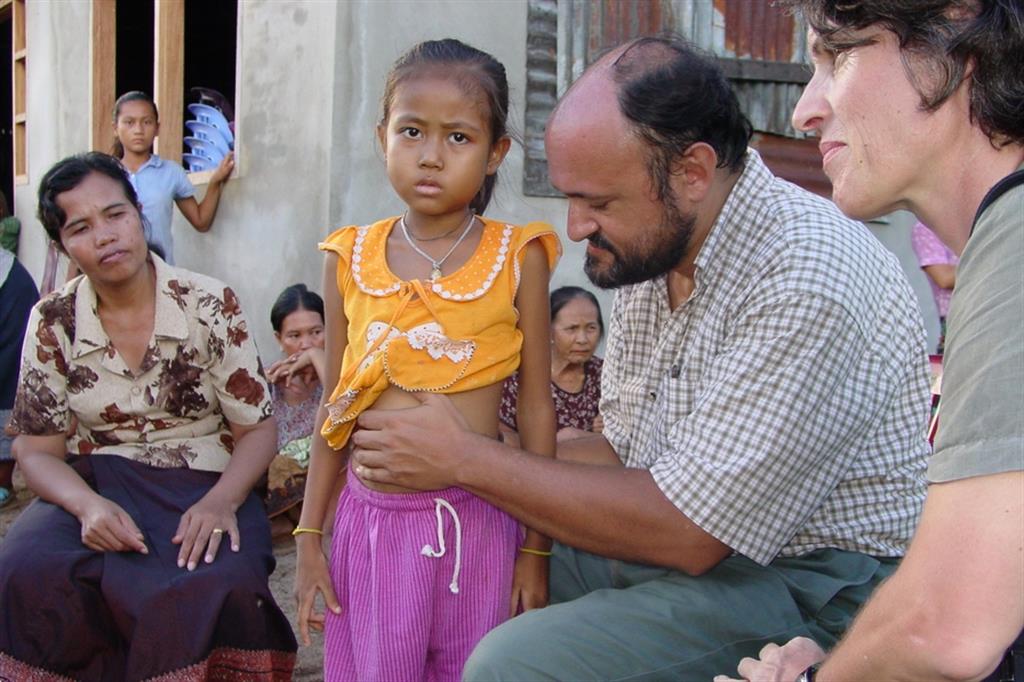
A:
{"x":449,"y":233}
{"x":435,"y":269}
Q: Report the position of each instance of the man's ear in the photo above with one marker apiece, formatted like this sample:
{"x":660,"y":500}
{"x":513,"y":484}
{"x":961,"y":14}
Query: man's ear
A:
{"x":693,"y":173}
{"x":382,"y":139}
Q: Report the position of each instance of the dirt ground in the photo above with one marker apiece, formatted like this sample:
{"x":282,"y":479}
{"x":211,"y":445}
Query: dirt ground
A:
{"x":308,"y":668}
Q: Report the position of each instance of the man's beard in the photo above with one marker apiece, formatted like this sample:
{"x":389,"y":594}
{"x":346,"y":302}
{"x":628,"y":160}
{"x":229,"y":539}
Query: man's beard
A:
{"x":653,"y":256}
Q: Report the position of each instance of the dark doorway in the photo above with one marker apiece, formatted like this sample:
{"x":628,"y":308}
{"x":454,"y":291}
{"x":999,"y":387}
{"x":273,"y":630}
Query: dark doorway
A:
{"x":134,"y":70}
{"x":211,"y":30}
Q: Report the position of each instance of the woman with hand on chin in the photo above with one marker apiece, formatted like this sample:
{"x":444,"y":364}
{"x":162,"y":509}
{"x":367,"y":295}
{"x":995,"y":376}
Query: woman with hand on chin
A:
{"x":296,"y":389}
{"x":144,"y":422}
{"x":576,"y":329}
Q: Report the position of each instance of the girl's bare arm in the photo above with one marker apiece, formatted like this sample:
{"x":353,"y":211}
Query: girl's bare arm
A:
{"x":201,"y":213}
{"x":535,"y":409}
{"x":325,"y":465}
{"x":535,"y":416}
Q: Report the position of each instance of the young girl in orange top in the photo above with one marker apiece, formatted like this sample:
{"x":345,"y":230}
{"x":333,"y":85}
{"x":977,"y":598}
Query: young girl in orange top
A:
{"x":439,"y":299}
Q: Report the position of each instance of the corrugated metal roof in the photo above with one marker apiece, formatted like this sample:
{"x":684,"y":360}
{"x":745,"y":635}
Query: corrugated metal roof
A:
{"x":761,"y":48}
{"x":769,"y":106}
{"x":798,"y":161}
{"x":613,"y":22}
{"x":757,"y":29}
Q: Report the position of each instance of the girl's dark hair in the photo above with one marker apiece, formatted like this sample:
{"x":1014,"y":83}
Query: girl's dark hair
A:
{"x":134,"y":96}
{"x":953,"y":40}
{"x":295,"y":297}
{"x":475,"y":71}
{"x":562,"y":295}
{"x":674,"y":97}
{"x":68,"y":174}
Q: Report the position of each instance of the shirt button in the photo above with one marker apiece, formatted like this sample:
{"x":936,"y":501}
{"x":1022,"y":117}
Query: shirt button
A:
{"x":136,"y":390}
{"x":653,"y":395}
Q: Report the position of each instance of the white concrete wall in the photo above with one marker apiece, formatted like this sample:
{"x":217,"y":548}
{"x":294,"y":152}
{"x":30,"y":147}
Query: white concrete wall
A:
{"x":57,"y":111}
{"x":273,"y":213}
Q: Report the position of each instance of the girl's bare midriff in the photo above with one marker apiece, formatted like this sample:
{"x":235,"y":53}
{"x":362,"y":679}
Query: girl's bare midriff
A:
{"x":478,"y":407}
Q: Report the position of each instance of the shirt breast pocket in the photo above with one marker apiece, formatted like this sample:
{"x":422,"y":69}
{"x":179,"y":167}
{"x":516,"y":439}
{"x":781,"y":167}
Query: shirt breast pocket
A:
{"x":679,"y":391}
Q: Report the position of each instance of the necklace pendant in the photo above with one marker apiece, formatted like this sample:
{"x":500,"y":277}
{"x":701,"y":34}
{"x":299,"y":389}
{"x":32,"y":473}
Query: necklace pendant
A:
{"x":435,"y":272}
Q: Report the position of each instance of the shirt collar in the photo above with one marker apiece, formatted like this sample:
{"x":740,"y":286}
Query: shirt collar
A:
{"x":153,"y":160}
{"x":170,"y":321}
{"x":751,"y":185}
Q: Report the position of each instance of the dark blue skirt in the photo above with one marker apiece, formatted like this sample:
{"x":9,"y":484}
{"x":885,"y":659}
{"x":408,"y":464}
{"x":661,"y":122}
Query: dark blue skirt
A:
{"x":67,"y":611}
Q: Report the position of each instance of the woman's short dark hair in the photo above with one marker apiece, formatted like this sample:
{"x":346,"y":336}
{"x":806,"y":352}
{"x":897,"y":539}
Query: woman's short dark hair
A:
{"x":295,"y":297}
{"x":674,"y":97}
{"x":953,"y":40}
{"x":67,"y":174}
{"x":562,"y":295}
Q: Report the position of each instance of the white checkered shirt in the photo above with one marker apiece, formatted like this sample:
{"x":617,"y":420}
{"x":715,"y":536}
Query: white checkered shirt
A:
{"x":783,"y":407}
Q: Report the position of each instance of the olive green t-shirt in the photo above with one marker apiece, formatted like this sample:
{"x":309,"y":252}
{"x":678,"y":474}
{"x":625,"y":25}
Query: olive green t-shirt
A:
{"x":981,"y":418}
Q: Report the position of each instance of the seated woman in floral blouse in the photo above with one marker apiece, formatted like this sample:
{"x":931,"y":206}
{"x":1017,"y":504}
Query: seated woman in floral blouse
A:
{"x":147,"y":554}
{"x":296,"y":390}
{"x":576,"y":329}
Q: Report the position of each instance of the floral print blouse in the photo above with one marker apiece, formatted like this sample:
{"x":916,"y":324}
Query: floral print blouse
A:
{"x":200,"y":371}
{"x":295,"y":421}
{"x":577,"y":410}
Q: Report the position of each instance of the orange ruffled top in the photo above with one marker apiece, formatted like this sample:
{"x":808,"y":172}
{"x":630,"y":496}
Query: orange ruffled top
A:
{"x":453,"y":334}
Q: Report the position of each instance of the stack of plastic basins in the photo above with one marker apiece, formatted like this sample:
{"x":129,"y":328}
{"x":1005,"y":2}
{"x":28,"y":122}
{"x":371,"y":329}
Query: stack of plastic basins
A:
{"x":211,"y":137}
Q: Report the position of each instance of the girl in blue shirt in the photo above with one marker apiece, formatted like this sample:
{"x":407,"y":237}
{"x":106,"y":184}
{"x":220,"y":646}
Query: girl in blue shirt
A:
{"x":161,"y":182}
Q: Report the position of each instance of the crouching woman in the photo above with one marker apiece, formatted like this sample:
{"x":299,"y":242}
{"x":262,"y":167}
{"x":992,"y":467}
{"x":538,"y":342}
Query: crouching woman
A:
{"x":143,"y":422}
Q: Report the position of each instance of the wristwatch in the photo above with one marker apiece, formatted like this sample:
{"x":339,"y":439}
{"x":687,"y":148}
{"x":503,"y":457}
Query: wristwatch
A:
{"x":808,"y":675}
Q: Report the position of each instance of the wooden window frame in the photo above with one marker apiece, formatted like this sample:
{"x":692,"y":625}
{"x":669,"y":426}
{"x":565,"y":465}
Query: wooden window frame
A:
{"x":168,"y":77}
{"x":103,"y":73}
{"x":19,"y":82}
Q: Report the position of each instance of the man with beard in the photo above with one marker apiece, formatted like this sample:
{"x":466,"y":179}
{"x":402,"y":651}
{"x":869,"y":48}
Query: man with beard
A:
{"x":765,"y":396}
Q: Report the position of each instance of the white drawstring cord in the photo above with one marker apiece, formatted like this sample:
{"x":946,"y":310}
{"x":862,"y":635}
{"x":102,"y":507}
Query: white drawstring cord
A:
{"x":439,"y":552}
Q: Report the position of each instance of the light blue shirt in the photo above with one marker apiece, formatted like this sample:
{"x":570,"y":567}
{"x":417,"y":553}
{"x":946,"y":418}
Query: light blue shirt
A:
{"x":159,"y":183}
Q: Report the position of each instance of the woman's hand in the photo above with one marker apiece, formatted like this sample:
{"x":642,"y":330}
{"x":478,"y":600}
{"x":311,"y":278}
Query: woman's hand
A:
{"x":202,"y":527}
{"x":598,"y":425}
{"x":304,"y":365}
{"x":106,"y":527}
{"x":778,"y":663}
{"x":529,"y":583}
{"x":311,"y":577}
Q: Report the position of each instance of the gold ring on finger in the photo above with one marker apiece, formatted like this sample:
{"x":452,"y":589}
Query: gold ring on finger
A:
{"x":218,"y":531}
